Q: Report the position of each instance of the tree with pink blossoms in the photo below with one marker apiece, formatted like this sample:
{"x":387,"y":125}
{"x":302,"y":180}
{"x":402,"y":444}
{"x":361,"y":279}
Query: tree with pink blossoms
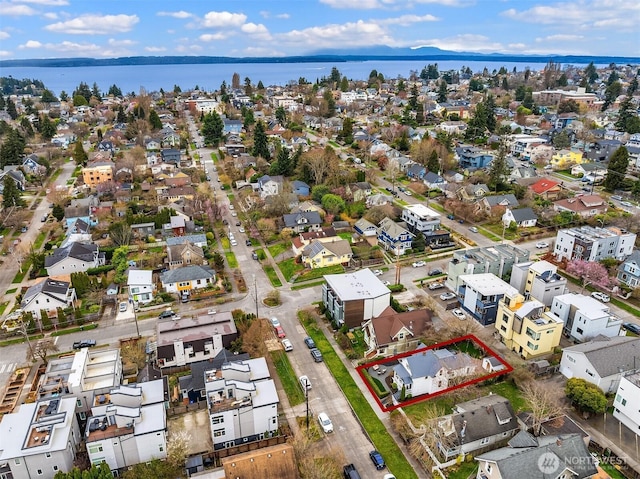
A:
{"x":590,"y":273}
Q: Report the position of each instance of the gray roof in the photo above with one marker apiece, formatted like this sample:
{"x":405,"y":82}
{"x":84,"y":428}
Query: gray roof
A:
{"x":607,"y":355}
{"x":195,"y":381}
{"x":484,"y":417}
{"x":187,"y":273}
{"x":497,"y":199}
{"x":49,"y":287}
{"x":294,"y":220}
{"x":195,"y":238}
{"x":523,"y":214}
{"x":560,"y":451}
{"x":81,"y":251}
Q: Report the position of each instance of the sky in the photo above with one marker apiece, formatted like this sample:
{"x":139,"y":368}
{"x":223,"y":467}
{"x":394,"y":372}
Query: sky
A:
{"x":275,"y":28}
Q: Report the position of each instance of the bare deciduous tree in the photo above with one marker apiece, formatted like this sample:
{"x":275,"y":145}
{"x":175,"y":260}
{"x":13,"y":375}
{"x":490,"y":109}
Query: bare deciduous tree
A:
{"x":544,"y":405}
{"x":42,"y":349}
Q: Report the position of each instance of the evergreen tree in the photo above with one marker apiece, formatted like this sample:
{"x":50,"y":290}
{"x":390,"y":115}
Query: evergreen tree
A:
{"x":95,"y":91}
{"x":79,"y":155}
{"x":521,"y":91}
{"x":57,"y":212}
{"x":330,"y":104}
{"x":625,"y":113}
{"x":591,"y":73}
{"x":419,"y":243}
{"x":83,"y":91}
{"x":248,"y":89}
{"x":48,"y":97}
{"x":11,"y":109}
{"x":561,"y":140}
{"x":282,"y":165}
{"x":498,"y":168}
{"x":212,"y":128}
{"x":27,"y":127}
{"x":64,"y":96}
{"x":121,"y":117}
{"x":11,"y":193}
{"x":433,"y":162}
{"x":610,"y":94}
{"x":616,"y":170}
{"x":154,"y":120}
{"x":260,"y":86}
{"x":115,"y":91}
{"x":633,"y":86}
{"x":344,"y":84}
{"x":3,"y":103}
{"x":260,"y":142}
{"x":12,"y":148}
{"x":505,"y":84}
{"x":47,"y":128}
{"x":347,"y":131}
{"x":442,"y":92}
{"x":413,"y":99}
{"x":248,"y":118}
{"x":527,"y":102}
{"x":281,"y":116}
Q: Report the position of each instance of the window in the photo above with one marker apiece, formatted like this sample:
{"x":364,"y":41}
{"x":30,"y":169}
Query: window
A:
{"x":16,"y":461}
{"x":489,"y":468}
{"x":83,"y":415}
{"x":47,"y":455}
{"x":78,"y":403}
{"x":217,"y":419}
{"x":161,"y":448}
{"x":579,"y":330}
{"x":589,"y":372}
{"x":218,"y":433}
{"x":95,"y":449}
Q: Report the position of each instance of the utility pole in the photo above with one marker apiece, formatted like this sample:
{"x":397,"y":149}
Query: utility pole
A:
{"x":306,"y":396}
{"x":397,"y":265}
{"x":255,"y":293}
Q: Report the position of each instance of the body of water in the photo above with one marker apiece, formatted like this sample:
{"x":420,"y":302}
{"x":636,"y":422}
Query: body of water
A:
{"x":131,"y":78}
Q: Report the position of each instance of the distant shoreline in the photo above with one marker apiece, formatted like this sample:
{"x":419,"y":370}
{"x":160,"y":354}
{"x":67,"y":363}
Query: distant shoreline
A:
{"x":203,"y":60}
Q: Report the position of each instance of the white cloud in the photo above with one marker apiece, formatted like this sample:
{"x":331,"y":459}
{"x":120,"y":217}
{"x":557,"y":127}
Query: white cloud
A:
{"x":559,"y":38}
{"x":188,"y":49}
{"x":262,"y":52}
{"x":214,"y":37}
{"x":407,"y":20}
{"x":283,"y":16}
{"x":584,"y":14}
{"x":95,"y":25}
{"x":180,"y":14}
{"x":14,"y":10}
{"x":67,"y":48}
{"x":121,"y":43}
{"x":5,"y":53}
{"x":353,"y":4}
{"x":391,"y":4}
{"x":31,"y":44}
{"x":465,"y":42}
{"x":4,"y":35}
{"x":256,"y":31}
{"x":223,"y":19}
{"x":155,"y":49}
{"x":50,"y":16}
{"x":338,"y":35}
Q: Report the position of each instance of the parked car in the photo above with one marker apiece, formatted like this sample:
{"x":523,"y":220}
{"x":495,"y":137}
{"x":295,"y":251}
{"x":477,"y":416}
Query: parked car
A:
{"x":247,"y":242}
{"x":238,"y":223}
{"x":601,"y":296}
{"x":634,"y":328}
{"x":386,"y":283}
{"x":316,"y":355}
{"x":437,"y":285}
{"x":123,"y":307}
{"x":254,"y":255}
{"x":280,"y":332}
{"x":542,"y":244}
{"x":350,"y":472}
{"x":211,"y":311}
{"x":305,"y":383}
{"x":85,"y":343}
{"x":451,"y":217}
{"x":388,"y":476}
{"x":275,"y":322}
{"x":473,"y":229}
{"x":377,"y":459}
{"x":458,"y":313}
{"x":418,"y":264}
{"x":616,"y":197}
{"x":447,"y":296}
{"x":166,"y":314}
{"x":377,"y":272}
{"x":435,"y":272}
{"x":234,"y":243}
{"x":241,"y":230}
{"x":309,"y":342}
{"x":325,"y":422}
{"x":287,"y":345}
{"x":378,"y":369}
{"x":24,"y":229}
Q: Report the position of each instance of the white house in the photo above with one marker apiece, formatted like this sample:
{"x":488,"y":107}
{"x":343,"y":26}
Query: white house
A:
{"x":243,"y":403}
{"x":141,"y":285}
{"x":626,"y":406}
{"x":585,"y":317}
{"x":128,"y":426}
{"x":601,"y":361}
{"x":49,"y":294}
{"x":184,"y":280}
{"x":73,"y":258}
{"x":429,"y":371}
{"x":522,"y":217}
{"x":420,"y":218}
{"x":39,"y":440}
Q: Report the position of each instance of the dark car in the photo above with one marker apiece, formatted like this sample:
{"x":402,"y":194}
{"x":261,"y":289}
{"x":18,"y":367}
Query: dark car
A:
{"x":309,"y":342}
{"x":247,"y":242}
{"x":634,"y":328}
{"x":434,"y":272}
{"x":377,"y":459}
{"x":238,"y":223}
{"x":316,"y":355}
{"x":85,"y":343}
{"x":350,"y":472}
{"x":166,"y":314}
{"x":451,"y":217}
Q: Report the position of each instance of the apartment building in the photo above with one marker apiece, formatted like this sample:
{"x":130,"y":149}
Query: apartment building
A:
{"x":626,"y":405}
{"x":479,"y":295}
{"x":538,"y":280}
{"x":593,"y":244}
{"x":585,"y":317}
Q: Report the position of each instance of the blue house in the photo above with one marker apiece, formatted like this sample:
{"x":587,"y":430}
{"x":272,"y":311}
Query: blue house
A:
{"x":300,"y":188}
{"x":170,"y":155}
{"x":629,"y":271}
{"x":473,"y":158}
{"x":394,"y":237}
{"x":232,"y":126}
{"x":416,"y":171}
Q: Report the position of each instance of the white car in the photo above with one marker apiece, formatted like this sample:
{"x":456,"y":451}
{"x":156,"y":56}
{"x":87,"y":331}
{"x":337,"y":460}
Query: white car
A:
{"x":601,"y":296}
{"x":287,"y":345}
{"x":458,"y":313}
{"x":548,"y":167}
{"x":211,"y":312}
{"x":234,"y":214}
{"x":386,"y":283}
{"x":123,"y":306}
{"x":234,"y":243}
{"x":275,"y":322}
{"x":304,"y":382}
{"x":542,"y":244}
{"x":447,"y":296}
{"x":377,"y":272}
{"x":241,"y":230}
{"x":418,"y":264}
{"x":325,"y":422}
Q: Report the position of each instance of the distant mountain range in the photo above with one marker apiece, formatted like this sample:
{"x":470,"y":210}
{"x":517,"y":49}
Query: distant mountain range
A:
{"x":324,"y":56}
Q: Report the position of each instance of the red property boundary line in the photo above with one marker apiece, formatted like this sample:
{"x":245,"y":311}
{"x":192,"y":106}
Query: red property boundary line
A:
{"x":469,"y":337}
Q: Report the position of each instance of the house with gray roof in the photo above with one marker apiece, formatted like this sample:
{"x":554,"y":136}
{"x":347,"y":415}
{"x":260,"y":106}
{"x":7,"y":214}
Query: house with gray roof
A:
{"x":629,"y":270}
{"x":303,"y":221}
{"x":73,"y":258}
{"x":522,"y":217}
{"x":429,"y":371}
{"x":188,"y":278}
{"x":394,"y":236}
{"x":601,"y":361}
{"x":198,"y":239}
{"x":485,"y":422}
{"x":488,"y":204}
{"x":320,"y":253}
{"x":529,"y":457}
{"x":365,"y":228}
{"x":48,"y":294}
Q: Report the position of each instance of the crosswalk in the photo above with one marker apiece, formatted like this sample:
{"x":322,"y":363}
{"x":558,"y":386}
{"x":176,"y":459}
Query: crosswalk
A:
{"x":7,"y":367}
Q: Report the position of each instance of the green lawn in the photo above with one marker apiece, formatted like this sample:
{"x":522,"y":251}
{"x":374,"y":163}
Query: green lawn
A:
{"x":231,"y":259}
{"x":316,"y":273}
{"x":296,"y":287}
{"x":287,"y":377}
{"x":273,"y":277}
{"x":37,"y":244}
{"x":277,"y":249}
{"x":381,"y":439}
{"x":289,"y":267}
{"x":508,"y":390}
{"x":434,"y":205}
{"x":496,"y":229}
{"x":3,"y":306}
{"x":345,"y":235}
{"x":463,"y":470}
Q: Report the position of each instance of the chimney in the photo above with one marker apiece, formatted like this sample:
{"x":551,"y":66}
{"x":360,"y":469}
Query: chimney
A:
{"x":463,"y":431}
{"x":559,"y":441}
